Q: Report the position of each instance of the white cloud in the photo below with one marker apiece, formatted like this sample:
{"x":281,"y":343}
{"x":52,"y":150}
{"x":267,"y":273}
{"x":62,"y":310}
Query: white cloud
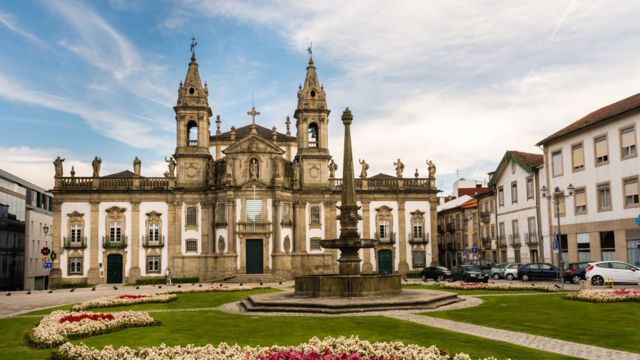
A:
{"x":8,"y":20}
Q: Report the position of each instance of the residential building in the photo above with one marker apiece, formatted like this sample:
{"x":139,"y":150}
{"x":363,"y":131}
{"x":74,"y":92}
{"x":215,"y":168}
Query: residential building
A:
{"x":463,"y":187}
{"x":25,"y":213}
{"x":249,"y":202}
{"x":487,"y":220}
{"x":598,"y":155}
{"x":458,"y":231}
{"x":516,"y":183}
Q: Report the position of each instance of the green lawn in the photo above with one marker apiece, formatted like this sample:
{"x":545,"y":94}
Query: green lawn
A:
{"x":214,"y":327}
{"x":612,"y":325}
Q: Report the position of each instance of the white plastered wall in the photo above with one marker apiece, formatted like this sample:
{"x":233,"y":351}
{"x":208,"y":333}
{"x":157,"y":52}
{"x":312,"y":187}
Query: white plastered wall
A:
{"x":68,"y":208}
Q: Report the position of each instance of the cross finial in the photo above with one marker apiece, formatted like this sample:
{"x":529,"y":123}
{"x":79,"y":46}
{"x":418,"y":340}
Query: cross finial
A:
{"x":253,"y":113}
{"x":310,"y":51}
{"x":193,"y":45}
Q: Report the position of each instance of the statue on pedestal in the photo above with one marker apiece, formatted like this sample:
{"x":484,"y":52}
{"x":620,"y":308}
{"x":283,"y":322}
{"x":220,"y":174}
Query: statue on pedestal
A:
{"x":57,"y":163}
{"x":332,"y":169}
{"x":365,"y":168}
{"x":96,"y":166}
{"x":399,"y":168}
{"x":172,"y":166}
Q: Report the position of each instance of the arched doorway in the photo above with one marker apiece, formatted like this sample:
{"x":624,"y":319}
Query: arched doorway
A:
{"x":385,"y":262}
{"x":114,"y":268}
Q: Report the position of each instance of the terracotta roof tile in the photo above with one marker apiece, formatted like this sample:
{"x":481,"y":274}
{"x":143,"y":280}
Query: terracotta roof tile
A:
{"x":604,"y":113}
{"x":127,"y":174}
{"x":532,"y":160}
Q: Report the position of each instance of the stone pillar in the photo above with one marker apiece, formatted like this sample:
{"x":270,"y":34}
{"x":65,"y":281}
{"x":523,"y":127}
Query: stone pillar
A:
{"x":403,"y":268}
{"x":205,"y":238}
{"x":435,"y":237}
{"x":231,"y":226}
{"x":93,"y":276}
{"x":300,"y":223}
{"x":134,"y":271}
{"x":275,"y":225}
{"x":171,"y":231}
{"x":594,"y":245}
{"x":367,"y":266}
{"x":620,"y":237}
{"x":176,"y":244}
{"x":55,"y":275}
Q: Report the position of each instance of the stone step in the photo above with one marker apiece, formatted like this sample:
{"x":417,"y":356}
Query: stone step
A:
{"x":249,"y":307}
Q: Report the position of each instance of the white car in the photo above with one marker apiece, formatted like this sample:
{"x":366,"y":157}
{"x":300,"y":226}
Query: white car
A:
{"x":511,"y":271}
{"x":618,"y":271}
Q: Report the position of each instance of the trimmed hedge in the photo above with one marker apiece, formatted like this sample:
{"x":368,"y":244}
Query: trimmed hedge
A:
{"x":161,"y":280}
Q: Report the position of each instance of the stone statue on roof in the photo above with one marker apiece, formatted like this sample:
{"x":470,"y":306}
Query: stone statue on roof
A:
{"x":96,"y":166}
{"x":365,"y":168}
{"x":332,"y":169}
{"x":431,"y":167}
{"x":399,"y":168}
{"x":57,"y":163}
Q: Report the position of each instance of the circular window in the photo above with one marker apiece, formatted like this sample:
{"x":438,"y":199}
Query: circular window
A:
{"x":313,"y":93}
{"x":191,"y":90}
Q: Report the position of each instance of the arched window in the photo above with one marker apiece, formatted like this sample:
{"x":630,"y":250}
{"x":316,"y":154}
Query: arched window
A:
{"x":192,"y":133}
{"x":221,"y":245}
{"x":313,"y":135}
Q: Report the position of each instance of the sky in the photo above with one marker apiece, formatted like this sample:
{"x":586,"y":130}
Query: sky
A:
{"x":456,"y":82}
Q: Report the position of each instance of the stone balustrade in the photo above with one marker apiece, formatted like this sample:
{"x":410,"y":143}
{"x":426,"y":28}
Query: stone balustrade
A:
{"x":109,"y":183}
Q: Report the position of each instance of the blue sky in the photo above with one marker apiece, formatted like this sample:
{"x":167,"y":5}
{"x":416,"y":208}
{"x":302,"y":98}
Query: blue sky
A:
{"x":457,"y":82}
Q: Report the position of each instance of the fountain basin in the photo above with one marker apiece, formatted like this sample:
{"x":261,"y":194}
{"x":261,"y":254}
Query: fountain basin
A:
{"x":365,"y":285}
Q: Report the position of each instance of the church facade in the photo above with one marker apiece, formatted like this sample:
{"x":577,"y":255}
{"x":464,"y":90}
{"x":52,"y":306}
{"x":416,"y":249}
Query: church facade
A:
{"x":249,"y":202}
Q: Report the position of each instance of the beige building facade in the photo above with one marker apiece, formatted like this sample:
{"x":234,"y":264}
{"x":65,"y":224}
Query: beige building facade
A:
{"x":249,"y":202}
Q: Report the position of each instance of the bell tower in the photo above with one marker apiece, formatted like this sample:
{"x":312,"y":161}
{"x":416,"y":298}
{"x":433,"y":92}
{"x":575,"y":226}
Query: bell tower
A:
{"x":312,"y":124}
{"x":192,"y":124}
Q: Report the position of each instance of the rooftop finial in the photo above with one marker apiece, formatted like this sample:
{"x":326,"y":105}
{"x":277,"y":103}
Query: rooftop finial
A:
{"x":310,"y":52}
{"x":193,"y":45}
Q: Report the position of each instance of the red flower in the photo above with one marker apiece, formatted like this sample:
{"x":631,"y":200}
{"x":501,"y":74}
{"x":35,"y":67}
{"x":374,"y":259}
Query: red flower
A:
{"x":132,"y":296}
{"x":94,"y":317}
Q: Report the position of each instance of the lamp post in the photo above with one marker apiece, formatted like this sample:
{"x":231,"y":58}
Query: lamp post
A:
{"x":556,"y":196}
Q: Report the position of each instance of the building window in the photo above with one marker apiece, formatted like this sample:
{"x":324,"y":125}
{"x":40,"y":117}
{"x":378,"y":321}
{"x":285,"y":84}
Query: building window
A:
{"x":531,"y":227}
{"x":580,"y":201}
{"x":153,"y":264}
{"x":514,"y":191}
{"x":75,"y":265}
{"x":556,"y":163}
{"x":192,"y":245}
{"x":418,"y":259}
{"x":417,"y":231}
{"x":192,"y":216}
{"x":154,"y":232}
{"x":608,"y":245}
{"x":604,"y":197}
{"x":577,"y":157}
{"x":315,"y":215}
{"x":628,"y":142}
{"x":314,"y":244}
{"x":530,"y":187}
{"x":221,"y":245}
{"x":383,"y":229}
{"x":602,"y":150}
{"x":286,"y":213}
{"x":115,"y":231}
{"x":221,"y":213}
{"x":516,"y":255}
{"x":584,"y":247}
{"x":493,"y":231}
{"x":254,"y":211}
{"x":500,"y":196}
{"x":631,"y":192}
{"x":515,"y":231}
{"x":76,"y":233}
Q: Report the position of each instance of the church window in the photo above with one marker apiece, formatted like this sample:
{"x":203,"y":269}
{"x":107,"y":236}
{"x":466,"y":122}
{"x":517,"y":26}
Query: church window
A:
{"x":254,"y":211}
{"x":315,"y":215}
{"x":192,"y":245}
{"x":153,"y":264}
{"x":383,"y":229}
{"x":192,"y":90}
{"x":192,"y":218}
{"x":313,"y":135}
{"x":75,"y":265}
{"x":221,"y":213}
{"x":315,"y":243}
{"x":221,"y":244}
{"x":192,"y":133}
{"x":313,"y":93}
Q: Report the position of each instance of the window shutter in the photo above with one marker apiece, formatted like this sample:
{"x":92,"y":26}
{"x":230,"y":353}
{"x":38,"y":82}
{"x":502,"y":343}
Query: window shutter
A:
{"x":601,"y":146}
{"x":254,"y":211}
{"x":581,"y":198}
{"x":557,"y":163}
{"x":631,"y":187}
{"x":628,"y":137}
{"x":578,"y":157}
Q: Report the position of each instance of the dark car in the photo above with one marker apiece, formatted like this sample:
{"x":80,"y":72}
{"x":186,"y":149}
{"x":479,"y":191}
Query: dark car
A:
{"x":437,"y":273}
{"x":576,"y":271}
{"x":537,"y":271}
{"x":484,"y":265}
{"x":470,"y":273}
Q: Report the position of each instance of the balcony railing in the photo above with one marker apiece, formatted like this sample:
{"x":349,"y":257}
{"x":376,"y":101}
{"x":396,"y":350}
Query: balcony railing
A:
{"x":115,"y":242}
{"x":486,"y":242}
{"x":389,"y":239}
{"x":485,"y":217}
{"x":451,"y":227}
{"x":531,"y":238}
{"x":254,"y":227}
{"x":75,"y":243}
{"x":501,"y":241}
{"x":108,"y":183}
{"x":153,"y":243}
{"x":424,"y":239}
{"x":192,"y":143}
{"x":390,"y":183}
{"x":514,"y":239}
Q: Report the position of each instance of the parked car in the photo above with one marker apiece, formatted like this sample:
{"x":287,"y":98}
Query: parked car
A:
{"x":437,"y":273}
{"x":574,"y":272}
{"x":484,"y":265}
{"x":537,"y":271}
{"x":497,"y":272}
{"x":618,"y":271}
{"x":469,"y":273}
{"x":511,"y":271}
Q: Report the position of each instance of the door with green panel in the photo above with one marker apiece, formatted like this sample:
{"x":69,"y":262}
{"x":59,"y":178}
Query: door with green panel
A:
{"x":254,"y":256}
{"x":385,"y":262}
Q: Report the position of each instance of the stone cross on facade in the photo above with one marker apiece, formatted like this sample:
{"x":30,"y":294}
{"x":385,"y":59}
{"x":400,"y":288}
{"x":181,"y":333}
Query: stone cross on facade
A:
{"x":253,"y":113}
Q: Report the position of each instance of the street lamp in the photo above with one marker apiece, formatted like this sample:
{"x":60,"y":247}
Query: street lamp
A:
{"x":556,"y":196}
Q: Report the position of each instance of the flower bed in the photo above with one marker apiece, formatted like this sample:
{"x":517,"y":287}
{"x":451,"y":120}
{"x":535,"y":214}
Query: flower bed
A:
{"x":496,"y":286}
{"x":605,"y":295}
{"x":329,"y":348}
{"x":59,"y":326}
{"x":211,"y":288}
{"x":122,"y":300}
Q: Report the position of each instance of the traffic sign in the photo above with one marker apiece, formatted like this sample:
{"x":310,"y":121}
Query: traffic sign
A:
{"x":45,"y":251}
{"x":474,"y":250}
{"x":54,"y":256}
{"x":556,"y":246}
{"x":45,"y":259}
{"x":47,"y":265}
{"x":638,"y":220}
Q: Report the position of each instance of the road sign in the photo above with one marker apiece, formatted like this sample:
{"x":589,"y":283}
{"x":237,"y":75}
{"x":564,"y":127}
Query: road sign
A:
{"x":556,"y":246}
{"x":54,"y":256}
{"x":638,"y":220}
{"x":474,"y":250}
{"x":45,"y":251}
{"x":47,"y":266}
{"x":45,"y":259}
